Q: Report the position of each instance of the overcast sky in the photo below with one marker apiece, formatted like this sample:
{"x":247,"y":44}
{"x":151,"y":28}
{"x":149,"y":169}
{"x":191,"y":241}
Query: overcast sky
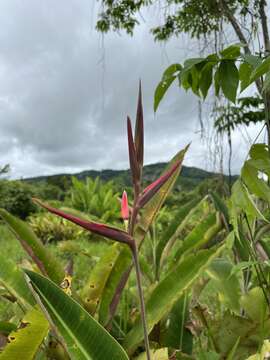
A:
{"x":65,"y":92}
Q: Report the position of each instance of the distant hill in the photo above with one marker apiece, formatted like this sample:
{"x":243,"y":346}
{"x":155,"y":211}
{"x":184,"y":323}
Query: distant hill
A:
{"x":190,"y":176}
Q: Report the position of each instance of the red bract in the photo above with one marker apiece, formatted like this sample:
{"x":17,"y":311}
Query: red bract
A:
{"x":139,"y":132}
{"x":124,"y":206}
{"x":100,"y":229}
{"x":134,"y":168}
{"x":153,"y":188}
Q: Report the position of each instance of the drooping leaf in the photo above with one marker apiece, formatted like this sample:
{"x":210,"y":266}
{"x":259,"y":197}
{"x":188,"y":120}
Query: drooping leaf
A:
{"x":161,"y":90}
{"x":245,"y":71}
{"x":85,"y":338}
{"x":97,"y":228}
{"x":206,"y":79}
{"x":169,"y":290}
{"x":41,"y":255}
{"x":229,"y":79}
{"x":25,"y":341}
{"x":13,"y":280}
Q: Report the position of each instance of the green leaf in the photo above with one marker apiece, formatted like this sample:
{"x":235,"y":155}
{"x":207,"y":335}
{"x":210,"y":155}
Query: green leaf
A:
{"x":13,"y":280}
{"x":169,"y":235}
{"x":260,"y":70}
{"x":176,"y":335}
{"x":205,"y":231}
{"x":6,"y":327}
{"x":94,"y":286}
{"x":252,"y":60}
{"x":44,"y":259}
{"x":255,"y":305}
{"x":169,"y":290}
{"x":231,"y":52}
{"x":25,"y":341}
{"x":189,"y":63}
{"x":85,"y":338}
{"x":265,"y":350}
{"x":255,"y":185}
{"x":226,"y":284}
{"x":206,"y":79}
{"x":245,"y":70}
{"x":121,"y":264}
{"x":229,"y":79}
{"x":159,"y":354}
{"x":217,"y":82}
{"x":168,"y":77}
{"x":266,"y":84}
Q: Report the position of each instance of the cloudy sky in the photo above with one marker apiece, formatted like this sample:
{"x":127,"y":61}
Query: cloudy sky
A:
{"x":65,"y":92}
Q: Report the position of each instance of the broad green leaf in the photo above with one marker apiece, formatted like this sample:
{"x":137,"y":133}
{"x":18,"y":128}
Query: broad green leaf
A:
{"x":169,"y":290}
{"x":202,"y":234}
{"x":217,"y":82}
{"x":85,"y":338}
{"x":94,"y":286}
{"x":44,"y":259}
{"x":175,"y":335}
{"x":226,"y":284}
{"x":252,"y":60}
{"x":260,"y":70}
{"x":255,"y":185}
{"x":243,"y":201}
{"x":231,"y":52}
{"x":228,"y":329}
{"x":121,"y":265}
{"x":220,"y":206}
{"x":172,"y":70}
{"x":13,"y":280}
{"x":255,"y":305}
{"x":229,"y":79}
{"x":173,"y":228}
{"x":245,"y":70}
{"x":189,"y":63}
{"x":169,"y":76}
{"x":206,"y":79}
{"x":208,"y":355}
{"x":25,"y":341}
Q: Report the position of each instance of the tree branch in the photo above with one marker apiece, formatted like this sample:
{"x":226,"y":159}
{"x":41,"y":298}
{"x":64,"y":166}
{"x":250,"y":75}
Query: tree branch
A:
{"x":263,"y":18}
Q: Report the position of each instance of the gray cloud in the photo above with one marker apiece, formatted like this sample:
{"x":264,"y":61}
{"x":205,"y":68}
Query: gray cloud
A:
{"x":65,"y":92}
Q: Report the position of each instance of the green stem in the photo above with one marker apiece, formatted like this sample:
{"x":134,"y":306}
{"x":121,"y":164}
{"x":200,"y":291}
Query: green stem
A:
{"x":141,"y":298}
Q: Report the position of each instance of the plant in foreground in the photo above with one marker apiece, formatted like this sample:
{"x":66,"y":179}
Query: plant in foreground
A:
{"x":129,"y":215}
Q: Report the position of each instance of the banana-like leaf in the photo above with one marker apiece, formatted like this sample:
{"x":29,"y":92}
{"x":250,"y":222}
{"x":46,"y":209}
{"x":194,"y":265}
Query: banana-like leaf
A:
{"x":93,"y":289}
{"x":198,"y":237}
{"x":110,"y":291}
{"x":175,"y":334}
{"x":173,"y":228}
{"x":13,"y":280}
{"x":169,"y":290}
{"x":85,"y":338}
{"x":44,"y":259}
{"x":26,"y":340}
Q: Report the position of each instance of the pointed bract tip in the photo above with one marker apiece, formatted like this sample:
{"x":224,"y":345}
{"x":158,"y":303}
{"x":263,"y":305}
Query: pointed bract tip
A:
{"x":124,"y":206}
